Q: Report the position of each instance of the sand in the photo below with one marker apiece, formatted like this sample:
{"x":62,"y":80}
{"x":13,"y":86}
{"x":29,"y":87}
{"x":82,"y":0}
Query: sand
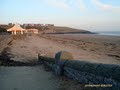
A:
{"x":92,"y":48}
{"x":4,"y":39}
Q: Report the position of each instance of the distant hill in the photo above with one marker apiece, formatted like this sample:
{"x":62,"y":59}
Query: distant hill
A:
{"x":61,"y":30}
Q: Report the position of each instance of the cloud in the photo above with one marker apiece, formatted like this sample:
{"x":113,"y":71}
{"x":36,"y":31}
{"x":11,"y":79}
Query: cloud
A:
{"x":58,"y":3}
{"x":67,"y":4}
{"x":106,"y":7}
{"x":102,"y":6}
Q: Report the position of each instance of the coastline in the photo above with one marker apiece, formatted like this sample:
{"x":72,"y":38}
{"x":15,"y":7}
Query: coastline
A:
{"x":112,"y":33}
{"x":84,"y":47}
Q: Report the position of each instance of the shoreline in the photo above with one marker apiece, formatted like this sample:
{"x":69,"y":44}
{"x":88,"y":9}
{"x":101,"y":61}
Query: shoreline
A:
{"x":110,"y":33}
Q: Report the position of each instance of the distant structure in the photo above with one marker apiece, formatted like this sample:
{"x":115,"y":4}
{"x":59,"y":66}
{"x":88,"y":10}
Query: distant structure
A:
{"x":31,"y":31}
{"x":43,"y":28}
{"x":37,"y":25}
{"x":16,"y":29}
{"x":32,"y":25}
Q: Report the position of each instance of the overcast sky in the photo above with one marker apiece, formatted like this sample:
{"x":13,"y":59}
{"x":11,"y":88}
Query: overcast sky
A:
{"x":93,"y":15}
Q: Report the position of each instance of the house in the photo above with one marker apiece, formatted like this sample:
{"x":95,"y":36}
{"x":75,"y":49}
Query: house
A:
{"x":16,"y":29}
{"x":30,"y":31}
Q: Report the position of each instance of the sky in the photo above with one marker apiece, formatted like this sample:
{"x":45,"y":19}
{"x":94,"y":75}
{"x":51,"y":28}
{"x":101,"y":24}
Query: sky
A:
{"x":93,"y":15}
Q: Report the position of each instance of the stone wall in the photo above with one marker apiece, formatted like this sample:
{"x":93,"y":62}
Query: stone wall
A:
{"x":86,"y":72}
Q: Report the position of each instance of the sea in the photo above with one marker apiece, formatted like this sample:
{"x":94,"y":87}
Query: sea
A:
{"x":110,"y":33}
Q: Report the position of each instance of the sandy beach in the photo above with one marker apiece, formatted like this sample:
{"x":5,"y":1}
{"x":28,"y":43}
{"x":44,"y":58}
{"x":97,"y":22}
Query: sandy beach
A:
{"x":92,"y":48}
{"x":59,"y":45}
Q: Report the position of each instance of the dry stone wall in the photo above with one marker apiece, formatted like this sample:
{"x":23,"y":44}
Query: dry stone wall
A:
{"x":86,"y":72}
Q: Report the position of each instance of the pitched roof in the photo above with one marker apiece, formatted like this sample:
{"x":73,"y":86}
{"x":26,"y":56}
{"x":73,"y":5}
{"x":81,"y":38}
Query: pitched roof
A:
{"x":16,"y":27}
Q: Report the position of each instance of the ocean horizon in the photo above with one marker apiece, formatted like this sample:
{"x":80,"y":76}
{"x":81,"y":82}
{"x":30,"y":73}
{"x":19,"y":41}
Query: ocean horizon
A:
{"x":110,"y":33}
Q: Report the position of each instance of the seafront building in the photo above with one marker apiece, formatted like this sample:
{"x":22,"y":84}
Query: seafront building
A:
{"x":31,"y":31}
{"x":17,"y":30}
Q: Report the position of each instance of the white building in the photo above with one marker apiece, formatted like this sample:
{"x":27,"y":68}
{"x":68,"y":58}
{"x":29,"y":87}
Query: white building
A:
{"x":30,"y":31}
{"x":16,"y":29}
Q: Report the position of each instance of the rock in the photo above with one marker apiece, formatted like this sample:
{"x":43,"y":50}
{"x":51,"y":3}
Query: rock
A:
{"x":63,"y":55}
{"x":59,"y":63}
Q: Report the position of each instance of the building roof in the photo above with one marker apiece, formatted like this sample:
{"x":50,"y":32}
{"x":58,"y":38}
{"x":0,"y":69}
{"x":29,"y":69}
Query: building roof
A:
{"x":16,"y":27}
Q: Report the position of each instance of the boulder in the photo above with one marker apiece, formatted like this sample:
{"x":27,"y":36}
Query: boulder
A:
{"x":63,"y":55}
{"x":60,"y":59}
